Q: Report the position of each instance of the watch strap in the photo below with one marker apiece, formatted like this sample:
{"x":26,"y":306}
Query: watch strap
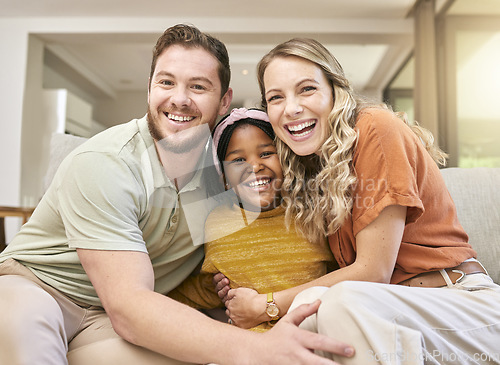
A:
{"x":272,"y":309}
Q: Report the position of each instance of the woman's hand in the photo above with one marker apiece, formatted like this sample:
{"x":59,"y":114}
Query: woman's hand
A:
{"x":246,"y":307}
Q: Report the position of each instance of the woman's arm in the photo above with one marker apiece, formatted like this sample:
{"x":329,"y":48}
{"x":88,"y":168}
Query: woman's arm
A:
{"x":376,"y":253}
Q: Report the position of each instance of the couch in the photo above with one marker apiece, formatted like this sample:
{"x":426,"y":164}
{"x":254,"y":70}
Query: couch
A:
{"x":476,"y":193}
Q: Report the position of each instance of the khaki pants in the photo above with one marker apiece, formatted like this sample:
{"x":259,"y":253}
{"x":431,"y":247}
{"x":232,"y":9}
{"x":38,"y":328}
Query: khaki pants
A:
{"x":41,"y":326}
{"x":393,"y":324}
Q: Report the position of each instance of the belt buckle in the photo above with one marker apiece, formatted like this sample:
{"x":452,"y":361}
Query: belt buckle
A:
{"x":462,"y":275}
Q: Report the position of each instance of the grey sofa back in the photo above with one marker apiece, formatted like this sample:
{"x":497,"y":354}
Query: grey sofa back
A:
{"x":476,"y":193}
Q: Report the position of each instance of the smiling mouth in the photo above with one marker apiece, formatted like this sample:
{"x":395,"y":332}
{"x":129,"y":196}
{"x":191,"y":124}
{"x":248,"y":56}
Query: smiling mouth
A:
{"x":259,"y":183}
{"x":178,"y":118}
{"x":302,"y":129}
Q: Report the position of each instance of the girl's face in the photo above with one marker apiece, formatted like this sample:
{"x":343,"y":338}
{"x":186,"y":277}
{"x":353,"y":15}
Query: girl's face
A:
{"x":252,"y":168}
{"x":299,"y":100}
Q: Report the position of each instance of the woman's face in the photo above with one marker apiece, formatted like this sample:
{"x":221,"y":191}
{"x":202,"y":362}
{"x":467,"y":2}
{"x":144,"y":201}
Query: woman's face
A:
{"x":252,"y":168}
{"x":299,"y":100}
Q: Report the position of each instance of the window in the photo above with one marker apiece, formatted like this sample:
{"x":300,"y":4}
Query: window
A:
{"x":477,"y":97}
{"x":399,"y":93}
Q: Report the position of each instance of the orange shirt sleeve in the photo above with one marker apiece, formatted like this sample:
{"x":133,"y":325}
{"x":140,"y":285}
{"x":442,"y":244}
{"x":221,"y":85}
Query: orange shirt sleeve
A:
{"x":385,"y":161}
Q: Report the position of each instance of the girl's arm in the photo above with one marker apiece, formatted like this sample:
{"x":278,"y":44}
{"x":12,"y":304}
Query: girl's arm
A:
{"x":376,"y":253}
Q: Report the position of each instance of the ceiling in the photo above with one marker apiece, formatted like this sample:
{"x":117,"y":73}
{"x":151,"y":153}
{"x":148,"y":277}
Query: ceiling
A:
{"x":371,"y":39}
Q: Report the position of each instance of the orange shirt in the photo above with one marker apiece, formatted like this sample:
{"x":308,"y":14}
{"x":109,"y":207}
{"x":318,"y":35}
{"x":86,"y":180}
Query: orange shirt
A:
{"x":393,"y":168}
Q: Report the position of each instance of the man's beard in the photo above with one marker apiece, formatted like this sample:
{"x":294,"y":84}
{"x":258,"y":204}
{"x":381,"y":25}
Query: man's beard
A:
{"x":181,"y":142}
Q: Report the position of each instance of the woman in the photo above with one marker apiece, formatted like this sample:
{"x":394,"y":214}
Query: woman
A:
{"x":366,"y":179}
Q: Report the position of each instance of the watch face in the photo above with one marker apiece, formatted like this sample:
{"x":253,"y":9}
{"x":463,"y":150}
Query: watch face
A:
{"x":272,"y":310}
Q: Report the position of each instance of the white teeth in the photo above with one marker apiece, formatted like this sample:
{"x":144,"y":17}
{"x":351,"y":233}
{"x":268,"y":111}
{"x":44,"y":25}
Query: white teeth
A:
{"x":179,"y":118}
{"x":257,"y":183}
{"x":299,"y":127}
{"x":302,"y":134}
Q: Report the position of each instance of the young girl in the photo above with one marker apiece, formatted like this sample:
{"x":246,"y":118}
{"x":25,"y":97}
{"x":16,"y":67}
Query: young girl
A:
{"x":247,"y":239}
{"x":409,"y":289}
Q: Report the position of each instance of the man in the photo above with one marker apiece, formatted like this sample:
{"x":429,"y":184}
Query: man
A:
{"x":85,"y":280}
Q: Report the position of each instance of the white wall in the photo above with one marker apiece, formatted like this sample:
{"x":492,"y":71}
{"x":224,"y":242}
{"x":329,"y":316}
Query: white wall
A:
{"x":126,"y":106}
{"x":14,"y":45}
{"x":53,"y":80}
{"x":35,"y":130}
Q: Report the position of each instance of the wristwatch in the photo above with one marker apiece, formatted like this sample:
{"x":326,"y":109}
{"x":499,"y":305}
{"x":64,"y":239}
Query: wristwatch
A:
{"x":272,"y":309}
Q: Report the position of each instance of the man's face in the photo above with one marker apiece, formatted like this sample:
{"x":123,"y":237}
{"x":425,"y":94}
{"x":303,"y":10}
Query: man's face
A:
{"x":185,"y":92}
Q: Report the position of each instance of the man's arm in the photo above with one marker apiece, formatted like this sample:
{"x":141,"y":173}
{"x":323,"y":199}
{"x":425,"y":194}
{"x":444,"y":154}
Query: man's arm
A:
{"x":124,"y":281}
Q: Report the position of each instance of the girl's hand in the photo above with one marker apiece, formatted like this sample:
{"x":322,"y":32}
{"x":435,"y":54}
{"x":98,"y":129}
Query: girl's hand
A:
{"x":221,"y":284}
{"x":246,"y":307}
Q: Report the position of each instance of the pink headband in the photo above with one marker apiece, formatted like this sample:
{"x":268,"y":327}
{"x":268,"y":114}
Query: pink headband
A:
{"x":234,"y":116}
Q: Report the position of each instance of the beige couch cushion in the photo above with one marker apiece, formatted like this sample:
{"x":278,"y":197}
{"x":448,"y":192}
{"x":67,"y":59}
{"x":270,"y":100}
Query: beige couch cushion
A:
{"x":476,"y":193}
{"x":60,"y":146}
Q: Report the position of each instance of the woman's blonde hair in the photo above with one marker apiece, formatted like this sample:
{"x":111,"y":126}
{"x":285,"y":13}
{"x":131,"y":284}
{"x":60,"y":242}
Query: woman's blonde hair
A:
{"x":318,"y":189}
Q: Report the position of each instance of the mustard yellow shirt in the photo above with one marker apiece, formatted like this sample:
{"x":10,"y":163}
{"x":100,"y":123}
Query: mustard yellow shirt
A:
{"x":253,"y":250}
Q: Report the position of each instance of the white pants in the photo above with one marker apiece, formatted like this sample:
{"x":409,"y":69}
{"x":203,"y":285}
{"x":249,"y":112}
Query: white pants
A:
{"x":394,"y":324}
